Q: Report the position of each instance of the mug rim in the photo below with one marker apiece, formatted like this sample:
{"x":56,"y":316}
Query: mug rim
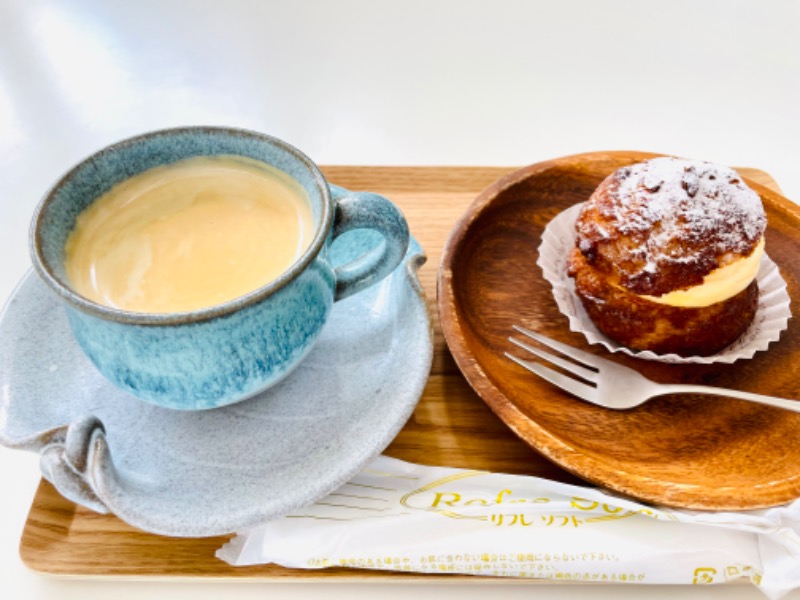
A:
{"x":63,"y":288}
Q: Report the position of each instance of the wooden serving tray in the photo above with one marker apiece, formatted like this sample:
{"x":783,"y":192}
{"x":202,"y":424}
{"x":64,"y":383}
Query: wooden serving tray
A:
{"x":451,"y":425}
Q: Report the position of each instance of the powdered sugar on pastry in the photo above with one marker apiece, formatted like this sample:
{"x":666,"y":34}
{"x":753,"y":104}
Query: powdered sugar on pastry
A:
{"x":692,"y":200}
{"x":666,"y":223}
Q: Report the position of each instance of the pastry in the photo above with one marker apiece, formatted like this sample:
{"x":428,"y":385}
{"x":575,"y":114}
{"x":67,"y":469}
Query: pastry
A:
{"x":667,"y":254}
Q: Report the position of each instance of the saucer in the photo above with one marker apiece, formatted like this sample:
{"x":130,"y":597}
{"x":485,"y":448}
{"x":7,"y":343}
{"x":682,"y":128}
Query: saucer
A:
{"x":195,"y":474}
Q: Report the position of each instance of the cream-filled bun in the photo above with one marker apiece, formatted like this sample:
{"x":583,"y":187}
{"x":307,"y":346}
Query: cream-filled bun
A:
{"x":667,"y":254}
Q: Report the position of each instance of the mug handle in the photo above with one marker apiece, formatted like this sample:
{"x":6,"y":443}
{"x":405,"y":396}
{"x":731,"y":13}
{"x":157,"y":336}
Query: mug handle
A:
{"x":365,"y":210}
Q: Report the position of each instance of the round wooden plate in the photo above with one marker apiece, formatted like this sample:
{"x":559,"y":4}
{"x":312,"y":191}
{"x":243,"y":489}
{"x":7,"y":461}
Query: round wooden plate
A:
{"x":687,"y":451}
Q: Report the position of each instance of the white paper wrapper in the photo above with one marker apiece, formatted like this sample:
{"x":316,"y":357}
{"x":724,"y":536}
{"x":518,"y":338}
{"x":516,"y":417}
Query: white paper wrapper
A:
{"x":403,"y":517}
{"x":772,"y":315}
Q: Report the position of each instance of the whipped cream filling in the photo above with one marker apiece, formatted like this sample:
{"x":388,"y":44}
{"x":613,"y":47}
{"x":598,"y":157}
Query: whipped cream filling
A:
{"x":719,"y":285}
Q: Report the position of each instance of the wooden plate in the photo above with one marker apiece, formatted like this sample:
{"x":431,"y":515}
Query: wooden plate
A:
{"x":686,"y":451}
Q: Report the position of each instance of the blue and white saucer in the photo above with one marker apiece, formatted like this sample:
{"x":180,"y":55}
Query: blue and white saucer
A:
{"x":194,"y":474}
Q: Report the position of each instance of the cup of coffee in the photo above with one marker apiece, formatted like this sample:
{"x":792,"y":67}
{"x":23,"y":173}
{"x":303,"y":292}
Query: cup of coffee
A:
{"x":194,"y":262}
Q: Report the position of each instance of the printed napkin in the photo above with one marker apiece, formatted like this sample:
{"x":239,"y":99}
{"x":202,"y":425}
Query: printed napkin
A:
{"x":404,"y":517}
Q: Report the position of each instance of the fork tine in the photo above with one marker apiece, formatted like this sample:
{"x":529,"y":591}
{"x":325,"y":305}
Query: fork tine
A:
{"x":567,"y":365}
{"x":573,"y":386}
{"x":574,"y":353}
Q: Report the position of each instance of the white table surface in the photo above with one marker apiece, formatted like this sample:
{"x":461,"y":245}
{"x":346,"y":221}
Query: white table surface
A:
{"x":382,"y":83}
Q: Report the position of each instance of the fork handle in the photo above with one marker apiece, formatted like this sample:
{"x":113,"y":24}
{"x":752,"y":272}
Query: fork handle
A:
{"x":679,"y":388}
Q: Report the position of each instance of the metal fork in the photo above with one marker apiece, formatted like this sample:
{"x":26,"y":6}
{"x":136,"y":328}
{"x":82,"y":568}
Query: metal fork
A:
{"x":612,"y":385}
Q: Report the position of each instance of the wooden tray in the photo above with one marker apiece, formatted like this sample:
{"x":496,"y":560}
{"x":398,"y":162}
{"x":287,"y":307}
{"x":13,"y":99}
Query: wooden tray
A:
{"x":451,"y":426}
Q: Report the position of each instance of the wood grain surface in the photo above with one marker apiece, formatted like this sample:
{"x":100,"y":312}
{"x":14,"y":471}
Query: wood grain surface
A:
{"x":686,"y":451}
{"x":451,"y":425}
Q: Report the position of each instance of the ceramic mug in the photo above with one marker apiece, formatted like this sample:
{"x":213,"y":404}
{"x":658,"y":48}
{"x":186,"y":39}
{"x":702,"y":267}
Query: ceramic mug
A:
{"x":222,"y":354}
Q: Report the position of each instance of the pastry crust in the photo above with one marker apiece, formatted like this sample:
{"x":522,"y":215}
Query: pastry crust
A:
{"x":641,"y":324}
{"x":657,"y":227}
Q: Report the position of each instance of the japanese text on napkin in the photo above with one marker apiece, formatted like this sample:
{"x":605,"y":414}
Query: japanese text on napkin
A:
{"x":404,"y":517}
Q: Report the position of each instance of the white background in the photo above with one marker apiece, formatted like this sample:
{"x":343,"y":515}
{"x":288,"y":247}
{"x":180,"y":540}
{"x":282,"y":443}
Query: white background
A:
{"x":501,"y":82}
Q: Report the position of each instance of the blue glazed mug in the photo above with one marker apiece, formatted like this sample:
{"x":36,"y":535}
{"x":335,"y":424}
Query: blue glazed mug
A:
{"x":221,"y":354}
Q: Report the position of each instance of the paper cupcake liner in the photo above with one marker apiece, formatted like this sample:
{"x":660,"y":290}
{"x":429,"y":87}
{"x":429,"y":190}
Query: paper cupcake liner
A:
{"x":772,"y":315}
